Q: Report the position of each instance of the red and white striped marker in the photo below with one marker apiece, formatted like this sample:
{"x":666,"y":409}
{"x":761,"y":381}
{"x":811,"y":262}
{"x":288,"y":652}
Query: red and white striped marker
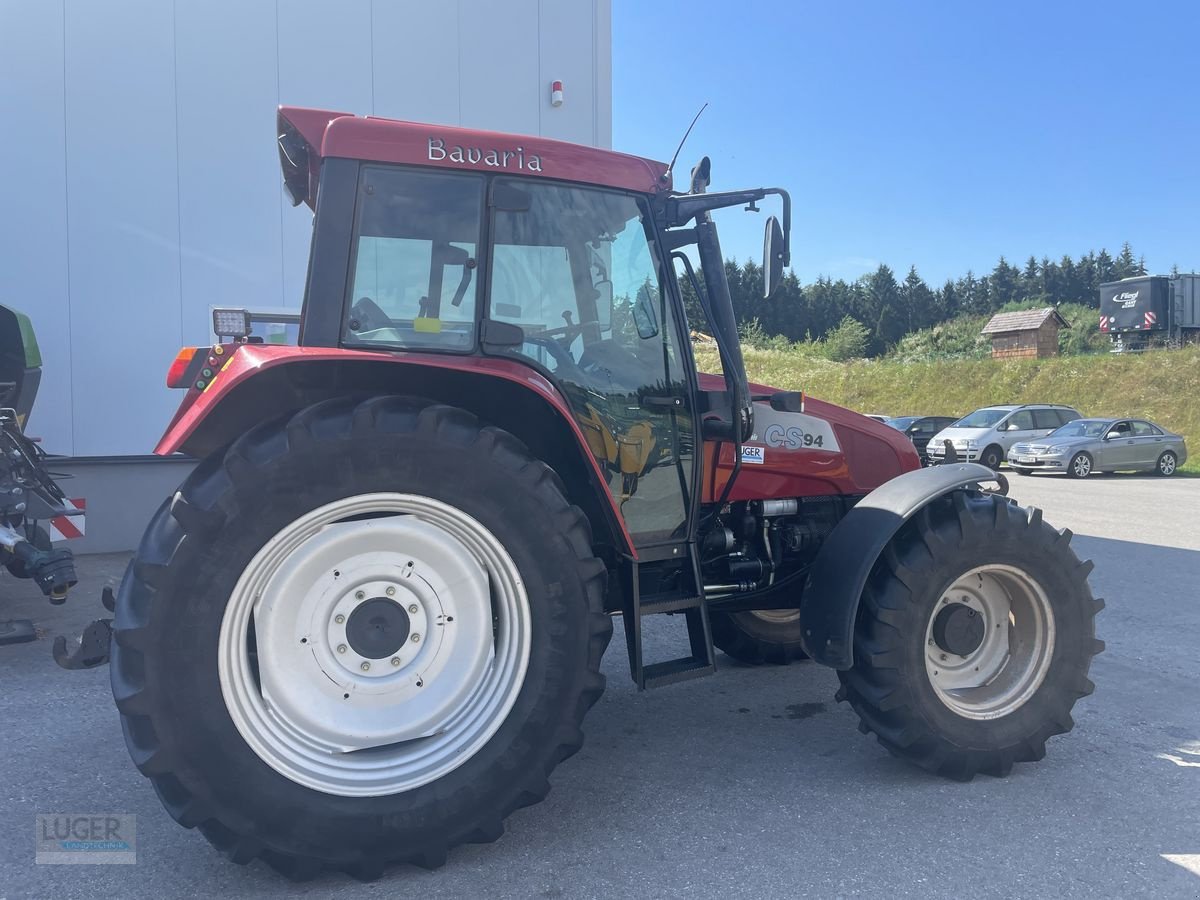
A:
{"x":1151,"y":318}
{"x":65,"y":528}
{"x":1104,"y":323}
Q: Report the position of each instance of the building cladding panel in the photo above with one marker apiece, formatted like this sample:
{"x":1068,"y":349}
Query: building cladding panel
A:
{"x":143,"y":185}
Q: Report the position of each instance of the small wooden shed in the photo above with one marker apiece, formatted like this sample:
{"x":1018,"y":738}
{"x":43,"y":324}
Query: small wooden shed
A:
{"x":1028,"y":332}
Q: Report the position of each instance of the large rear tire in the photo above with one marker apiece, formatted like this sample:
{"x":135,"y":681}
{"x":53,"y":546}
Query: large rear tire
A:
{"x":360,"y":636}
{"x":759,"y":636}
{"x":973,"y":639}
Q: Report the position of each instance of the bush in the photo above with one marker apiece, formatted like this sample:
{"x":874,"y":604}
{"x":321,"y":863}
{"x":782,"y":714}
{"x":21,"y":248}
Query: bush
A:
{"x":848,"y":341}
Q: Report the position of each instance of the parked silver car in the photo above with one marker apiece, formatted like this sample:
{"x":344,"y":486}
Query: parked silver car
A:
{"x":986,"y":434}
{"x":1102,"y":445}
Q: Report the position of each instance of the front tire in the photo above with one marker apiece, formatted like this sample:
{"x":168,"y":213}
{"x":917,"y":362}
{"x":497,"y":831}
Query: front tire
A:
{"x":1080,"y":466}
{"x":972,"y":568}
{"x":759,"y":636}
{"x":992,"y":457}
{"x":237,"y":617}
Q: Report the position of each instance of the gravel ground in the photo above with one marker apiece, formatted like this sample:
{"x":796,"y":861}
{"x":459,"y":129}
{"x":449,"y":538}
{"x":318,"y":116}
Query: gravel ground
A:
{"x":753,"y":783}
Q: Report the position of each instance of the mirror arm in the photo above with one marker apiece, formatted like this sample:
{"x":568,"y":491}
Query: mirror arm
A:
{"x":682,"y":208}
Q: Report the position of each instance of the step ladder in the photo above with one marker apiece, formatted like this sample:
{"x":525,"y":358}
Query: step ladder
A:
{"x":686,"y":603}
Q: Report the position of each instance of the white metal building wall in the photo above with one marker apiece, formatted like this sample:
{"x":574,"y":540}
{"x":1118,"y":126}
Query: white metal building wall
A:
{"x":139,"y":178}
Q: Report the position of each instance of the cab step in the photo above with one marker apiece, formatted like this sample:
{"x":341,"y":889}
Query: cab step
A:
{"x":684,"y":601}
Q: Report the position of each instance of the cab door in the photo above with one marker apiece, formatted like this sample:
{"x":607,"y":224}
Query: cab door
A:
{"x":578,"y":271}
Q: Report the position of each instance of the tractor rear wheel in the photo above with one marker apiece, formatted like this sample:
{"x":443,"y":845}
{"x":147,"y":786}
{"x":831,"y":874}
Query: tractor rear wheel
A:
{"x":759,"y":636}
{"x":359,"y":636}
{"x":974,"y":638}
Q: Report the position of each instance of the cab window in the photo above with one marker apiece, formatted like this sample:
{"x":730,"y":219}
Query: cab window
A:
{"x":413,"y":270}
{"x":575,"y":269}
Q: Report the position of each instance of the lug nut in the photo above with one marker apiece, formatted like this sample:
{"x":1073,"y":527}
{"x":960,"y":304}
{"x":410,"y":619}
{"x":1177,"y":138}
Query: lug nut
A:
{"x":412,"y":609}
{"x":395,"y":660}
{"x":366,"y":667}
{"x":415,"y":638}
{"x":391,"y":592}
{"x":341,"y":648}
{"x":339,"y":618}
{"x":359,"y":595}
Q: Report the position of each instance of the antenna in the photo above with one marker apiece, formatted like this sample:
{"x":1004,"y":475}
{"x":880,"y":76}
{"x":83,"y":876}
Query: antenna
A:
{"x":671,"y":167}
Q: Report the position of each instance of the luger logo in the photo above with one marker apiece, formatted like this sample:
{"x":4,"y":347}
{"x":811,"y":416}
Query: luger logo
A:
{"x":498,"y":159}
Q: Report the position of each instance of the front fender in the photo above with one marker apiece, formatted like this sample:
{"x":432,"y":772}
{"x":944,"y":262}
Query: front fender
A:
{"x":835,"y":583}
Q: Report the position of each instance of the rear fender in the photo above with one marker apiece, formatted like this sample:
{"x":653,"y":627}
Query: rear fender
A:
{"x":262,"y":382}
{"x":835,"y":583}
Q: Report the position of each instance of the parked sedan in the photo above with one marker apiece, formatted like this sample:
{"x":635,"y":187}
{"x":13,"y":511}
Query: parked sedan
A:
{"x":1102,"y":445}
{"x":921,"y":429}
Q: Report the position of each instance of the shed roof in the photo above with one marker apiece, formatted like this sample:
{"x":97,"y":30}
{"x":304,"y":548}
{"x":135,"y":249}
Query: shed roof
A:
{"x":1022,"y":320}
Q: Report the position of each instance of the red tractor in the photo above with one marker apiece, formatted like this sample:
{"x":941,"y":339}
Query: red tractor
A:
{"x":369,"y":625}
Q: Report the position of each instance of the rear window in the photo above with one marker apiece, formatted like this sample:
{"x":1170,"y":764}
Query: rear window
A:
{"x":1047,"y":418}
{"x":1067,"y":415}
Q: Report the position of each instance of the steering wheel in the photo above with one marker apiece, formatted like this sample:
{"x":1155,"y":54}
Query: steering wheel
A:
{"x":366,"y":315}
{"x":565,"y":361}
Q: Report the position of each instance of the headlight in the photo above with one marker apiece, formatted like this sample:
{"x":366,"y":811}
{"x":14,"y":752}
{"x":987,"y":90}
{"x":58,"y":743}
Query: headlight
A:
{"x":964,"y":443}
{"x":1055,"y":451}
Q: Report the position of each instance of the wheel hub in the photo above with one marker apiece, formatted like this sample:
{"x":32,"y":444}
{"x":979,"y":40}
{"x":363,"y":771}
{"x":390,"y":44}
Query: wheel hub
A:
{"x":989,"y":641}
{"x":958,"y":629}
{"x":377,"y":628}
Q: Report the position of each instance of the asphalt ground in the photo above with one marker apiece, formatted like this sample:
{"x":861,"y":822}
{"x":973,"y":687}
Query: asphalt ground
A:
{"x":753,"y":783}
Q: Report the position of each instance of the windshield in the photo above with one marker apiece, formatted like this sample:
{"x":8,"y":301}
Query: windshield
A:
{"x":1081,"y":428}
{"x":981,"y":418}
{"x":902,"y":422}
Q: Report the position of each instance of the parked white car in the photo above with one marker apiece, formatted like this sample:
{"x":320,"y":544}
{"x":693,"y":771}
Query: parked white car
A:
{"x":986,"y":435}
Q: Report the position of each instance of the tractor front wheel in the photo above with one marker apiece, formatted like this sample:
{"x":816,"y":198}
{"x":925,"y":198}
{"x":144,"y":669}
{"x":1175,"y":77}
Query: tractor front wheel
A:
{"x":759,"y":636}
{"x":360,"y":636}
{"x":974,"y":638}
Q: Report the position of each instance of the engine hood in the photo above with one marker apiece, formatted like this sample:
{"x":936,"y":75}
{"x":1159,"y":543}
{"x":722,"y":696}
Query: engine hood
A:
{"x":824,"y":449}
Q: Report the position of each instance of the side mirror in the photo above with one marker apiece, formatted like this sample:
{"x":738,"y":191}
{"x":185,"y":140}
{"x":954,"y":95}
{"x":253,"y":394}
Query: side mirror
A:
{"x":644,"y":318}
{"x":772,"y":256}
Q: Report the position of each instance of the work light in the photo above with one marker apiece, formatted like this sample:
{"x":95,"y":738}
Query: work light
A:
{"x":231,"y":323}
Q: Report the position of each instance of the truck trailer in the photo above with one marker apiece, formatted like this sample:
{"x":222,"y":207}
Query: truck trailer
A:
{"x":1151,"y":311}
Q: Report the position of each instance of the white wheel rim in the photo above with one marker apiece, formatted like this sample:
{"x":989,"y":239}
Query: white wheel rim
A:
{"x":1011,"y":661}
{"x":325,"y":710}
{"x":1083,"y":466}
{"x":1167,"y":464}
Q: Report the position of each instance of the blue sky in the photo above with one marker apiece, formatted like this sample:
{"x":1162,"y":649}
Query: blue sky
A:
{"x":936,"y":134}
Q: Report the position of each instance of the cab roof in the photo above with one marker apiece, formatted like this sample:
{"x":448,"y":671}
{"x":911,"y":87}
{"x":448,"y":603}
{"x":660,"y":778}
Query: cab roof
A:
{"x":315,"y":134}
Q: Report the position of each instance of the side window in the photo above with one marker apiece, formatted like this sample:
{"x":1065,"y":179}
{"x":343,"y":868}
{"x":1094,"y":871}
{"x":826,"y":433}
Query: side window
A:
{"x":1121,"y":429}
{"x":1067,"y":415}
{"x":1021,"y":421}
{"x":1144,"y":429}
{"x":1046,"y":418}
{"x":413,"y":269}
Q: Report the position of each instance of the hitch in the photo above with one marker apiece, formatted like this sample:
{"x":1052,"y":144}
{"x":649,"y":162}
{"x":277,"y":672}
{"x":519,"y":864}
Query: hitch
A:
{"x":52,"y":570}
{"x":94,"y":646}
